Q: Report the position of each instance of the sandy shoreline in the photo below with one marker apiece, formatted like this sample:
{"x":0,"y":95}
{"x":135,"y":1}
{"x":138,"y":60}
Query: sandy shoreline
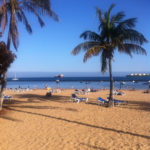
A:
{"x":32,"y":121}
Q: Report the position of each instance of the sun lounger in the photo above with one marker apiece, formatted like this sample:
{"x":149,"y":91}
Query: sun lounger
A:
{"x":120,"y":102}
{"x":102,"y":101}
{"x":78,"y":99}
{"x":116,"y":102}
{"x":77,"y":91}
{"x":55,"y":90}
{"x":84,"y":92}
{"x":6,"y":97}
{"x":94,"y":90}
{"x":118,"y":92}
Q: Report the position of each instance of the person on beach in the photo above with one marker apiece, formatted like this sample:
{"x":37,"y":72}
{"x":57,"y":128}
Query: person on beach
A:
{"x":46,"y":86}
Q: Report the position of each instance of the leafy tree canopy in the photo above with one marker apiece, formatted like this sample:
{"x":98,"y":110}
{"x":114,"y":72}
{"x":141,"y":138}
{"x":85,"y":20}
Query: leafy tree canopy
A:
{"x":6,"y":57}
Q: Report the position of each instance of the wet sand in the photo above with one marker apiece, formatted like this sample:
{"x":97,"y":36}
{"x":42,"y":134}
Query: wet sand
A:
{"x":32,"y":121}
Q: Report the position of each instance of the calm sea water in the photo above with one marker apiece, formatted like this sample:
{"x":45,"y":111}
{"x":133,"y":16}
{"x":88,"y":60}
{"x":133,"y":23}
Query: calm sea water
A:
{"x":79,"y":82}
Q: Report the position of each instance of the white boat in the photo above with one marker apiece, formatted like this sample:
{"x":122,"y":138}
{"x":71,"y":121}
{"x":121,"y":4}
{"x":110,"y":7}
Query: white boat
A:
{"x":138,"y":75}
{"x":123,"y":83}
{"x":59,"y":76}
{"x":15,"y":78}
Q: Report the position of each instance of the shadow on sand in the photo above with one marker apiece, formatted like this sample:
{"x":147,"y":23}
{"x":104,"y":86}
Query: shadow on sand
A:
{"x":61,"y":99}
{"x":80,"y":123}
{"x":33,"y":98}
{"x":38,"y":98}
{"x":3,"y":115}
{"x":93,"y":147}
{"x":137,"y":105}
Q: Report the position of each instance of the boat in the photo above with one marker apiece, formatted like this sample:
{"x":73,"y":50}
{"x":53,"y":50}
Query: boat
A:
{"x":123,"y":83}
{"x":138,"y":77}
{"x":15,"y":78}
{"x":59,"y":76}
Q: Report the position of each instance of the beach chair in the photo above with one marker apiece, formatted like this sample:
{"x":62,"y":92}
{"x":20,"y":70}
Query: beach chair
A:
{"x":102,"y":101}
{"x":6,"y":97}
{"x":78,"y":99}
{"x":120,"y":102}
{"x":94,"y":90}
{"x":77,"y":91}
{"x":118,"y":93}
{"x":84,"y":92}
{"x":115,"y":92}
{"x":121,"y":93}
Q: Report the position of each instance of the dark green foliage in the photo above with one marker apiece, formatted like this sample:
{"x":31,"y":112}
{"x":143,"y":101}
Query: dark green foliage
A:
{"x":6,"y":58}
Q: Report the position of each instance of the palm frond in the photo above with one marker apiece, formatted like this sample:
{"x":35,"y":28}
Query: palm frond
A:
{"x":24,"y":19}
{"x":53,"y":15}
{"x":117,"y":18}
{"x":127,"y":24}
{"x":93,"y":51}
{"x":107,"y":14}
{"x":41,"y":22}
{"x":84,"y":46}
{"x":19,"y":16}
{"x":99,"y":13}
{"x":14,"y":31}
{"x":3,"y":17}
{"x":9,"y":37}
{"x":110,"y":9}
{"x":90,"y":36}
{"x":132,"y":48}
{"x":42,"y":7}
{"x":134,"y":36}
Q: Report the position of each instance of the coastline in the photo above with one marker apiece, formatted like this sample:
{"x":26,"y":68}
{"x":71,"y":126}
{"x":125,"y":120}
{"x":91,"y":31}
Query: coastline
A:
{"x":78,"y":83}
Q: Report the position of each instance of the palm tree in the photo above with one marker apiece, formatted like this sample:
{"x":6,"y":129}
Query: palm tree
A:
{"x":115,"y":33}
{"x":13,"y":11}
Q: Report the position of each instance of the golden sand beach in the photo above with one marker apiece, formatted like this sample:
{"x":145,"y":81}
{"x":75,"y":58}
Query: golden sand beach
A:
{"x":32,"y":121}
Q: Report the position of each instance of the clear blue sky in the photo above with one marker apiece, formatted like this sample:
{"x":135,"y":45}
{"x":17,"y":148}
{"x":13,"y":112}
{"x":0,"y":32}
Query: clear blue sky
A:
{"x":48,"y":49}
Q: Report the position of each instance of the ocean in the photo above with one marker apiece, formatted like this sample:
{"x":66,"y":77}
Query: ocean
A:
{"x":79,"y":82}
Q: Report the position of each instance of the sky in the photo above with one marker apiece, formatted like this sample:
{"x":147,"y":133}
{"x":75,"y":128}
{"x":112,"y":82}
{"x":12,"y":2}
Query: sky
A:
{"x":48,"y":49}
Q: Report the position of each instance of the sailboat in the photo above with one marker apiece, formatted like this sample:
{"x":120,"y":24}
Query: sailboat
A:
{"x":15,"y":78}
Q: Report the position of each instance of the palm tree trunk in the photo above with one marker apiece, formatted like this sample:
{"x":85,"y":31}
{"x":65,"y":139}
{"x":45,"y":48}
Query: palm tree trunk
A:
{"x":3,"y":86}
{"x":111,"y":101}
